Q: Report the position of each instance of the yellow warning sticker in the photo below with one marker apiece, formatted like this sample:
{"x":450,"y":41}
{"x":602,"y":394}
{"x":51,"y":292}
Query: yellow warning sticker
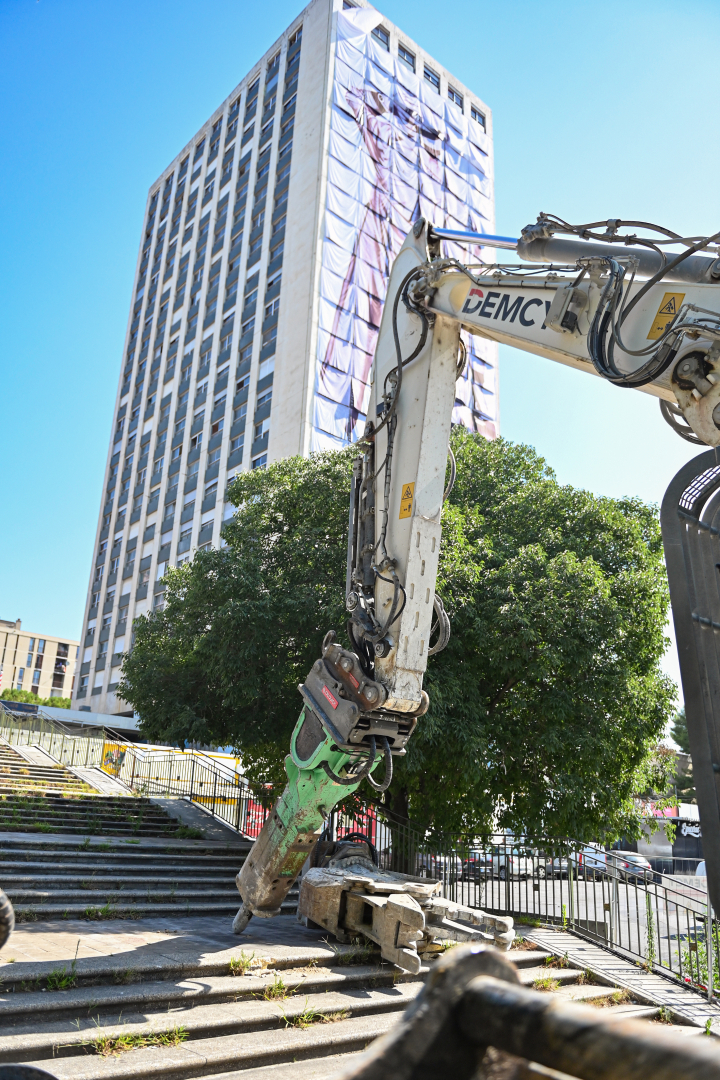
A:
{"x":406,"y":500}
{"x":667,"y":311}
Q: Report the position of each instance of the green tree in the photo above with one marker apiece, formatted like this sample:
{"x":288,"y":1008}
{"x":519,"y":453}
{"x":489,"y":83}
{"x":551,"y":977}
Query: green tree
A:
{"x":32,"y":699}
{"x":684,"y":782}
{"x":548,"y":703}
{"x":679,"y":731}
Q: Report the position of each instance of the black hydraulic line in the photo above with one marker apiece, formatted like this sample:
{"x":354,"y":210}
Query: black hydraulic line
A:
{"x":673,"y":416}
{"x":364,"y":772}
{"x":453,"y":475}
{"x":388,"y":767}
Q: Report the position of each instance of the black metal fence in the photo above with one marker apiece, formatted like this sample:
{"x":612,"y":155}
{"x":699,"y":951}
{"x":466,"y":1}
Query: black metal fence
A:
{"x":657,"y":919}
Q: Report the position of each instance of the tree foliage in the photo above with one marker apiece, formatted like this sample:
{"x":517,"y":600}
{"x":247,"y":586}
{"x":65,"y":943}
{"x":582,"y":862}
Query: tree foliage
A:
{"x":32,"y":699}
{"x":546,"y":705}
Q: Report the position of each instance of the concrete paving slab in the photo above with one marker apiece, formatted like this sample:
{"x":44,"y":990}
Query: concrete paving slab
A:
{"x":154,"y":942}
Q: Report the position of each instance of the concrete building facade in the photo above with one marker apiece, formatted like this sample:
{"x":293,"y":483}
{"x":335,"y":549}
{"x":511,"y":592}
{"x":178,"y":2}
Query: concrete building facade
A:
{"x":39,"y":663}
{"x":259,"y":285}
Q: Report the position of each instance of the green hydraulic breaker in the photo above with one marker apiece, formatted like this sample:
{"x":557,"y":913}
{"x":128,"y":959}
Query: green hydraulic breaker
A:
{"x":333,"y":748}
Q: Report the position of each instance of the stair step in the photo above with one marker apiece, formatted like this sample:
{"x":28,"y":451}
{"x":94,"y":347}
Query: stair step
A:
{"x":222,"y":1053}
{"x":141,"y":910}
{"x":221,"y":893}
{"x":212,"y":1021}
{"x":529,"y":976}
{"x":323,"y":1068}
{"x":110,"y":1002}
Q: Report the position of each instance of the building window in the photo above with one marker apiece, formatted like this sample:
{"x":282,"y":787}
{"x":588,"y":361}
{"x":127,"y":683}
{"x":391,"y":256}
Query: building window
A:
{"x":272,"y":307}
{"x":217,"y":426}
{"x":477,"y":116}
{"x":261,"y":429}
{"x":260,"y":462}
{"x":269,"y":337}
{"x":407,"y":56}
{"x":297,"y":36}
{"x":236,"y":443}
{"x":20,"y":677}
{"x":240,"y":412}
{"x":264,"y":399}
{"x":433,"y":78}
{"x":198,"y":150}
{"x":214,"y":456}
{"x":277,"y":251}
{"x":383,"y":36}
{"x":454,"y":96}
{"x":84,"y":679}
{"x":137,"y":502}
{"x":195,"y":442}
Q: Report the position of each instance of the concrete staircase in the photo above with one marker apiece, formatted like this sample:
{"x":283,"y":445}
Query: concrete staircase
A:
{"x":301,"y":1012}
{"x":131,"y":878}
{"x":26,"y":775}
{"x":88,"y":815}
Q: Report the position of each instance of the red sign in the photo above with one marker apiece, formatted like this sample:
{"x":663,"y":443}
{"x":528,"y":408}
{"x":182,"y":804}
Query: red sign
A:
{"x":329,"y":696}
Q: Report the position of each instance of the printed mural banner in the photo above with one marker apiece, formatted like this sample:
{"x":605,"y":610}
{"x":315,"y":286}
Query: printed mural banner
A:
{"x":397,"y":151}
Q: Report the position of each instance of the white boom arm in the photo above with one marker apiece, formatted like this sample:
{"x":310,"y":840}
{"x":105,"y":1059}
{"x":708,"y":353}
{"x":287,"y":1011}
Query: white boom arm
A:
{"x":569,"y":314}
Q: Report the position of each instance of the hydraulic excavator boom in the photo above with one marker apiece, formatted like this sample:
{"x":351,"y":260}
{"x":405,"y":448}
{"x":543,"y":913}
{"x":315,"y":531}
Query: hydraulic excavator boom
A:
{"x":618,"y":305}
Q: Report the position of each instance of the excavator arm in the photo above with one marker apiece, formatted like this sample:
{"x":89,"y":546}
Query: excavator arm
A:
{"x":618,"y":306}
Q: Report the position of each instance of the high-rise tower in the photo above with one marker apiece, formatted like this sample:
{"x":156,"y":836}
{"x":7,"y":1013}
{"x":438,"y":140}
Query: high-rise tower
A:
{"x":259,"y":286}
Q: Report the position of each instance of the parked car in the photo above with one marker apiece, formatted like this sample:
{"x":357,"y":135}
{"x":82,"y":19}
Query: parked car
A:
{"x":511,"y":863}
{"x":590,"y":861}
{"x":438,"y":866}
{"x":477,"y":866}
{"x":631,"y":865}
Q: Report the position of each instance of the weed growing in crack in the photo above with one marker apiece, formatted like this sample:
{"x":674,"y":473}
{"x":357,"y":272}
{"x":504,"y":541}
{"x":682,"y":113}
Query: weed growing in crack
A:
{"x":277,"y":992}
{"x":240,"y":965}
{"x":113,"y":1045}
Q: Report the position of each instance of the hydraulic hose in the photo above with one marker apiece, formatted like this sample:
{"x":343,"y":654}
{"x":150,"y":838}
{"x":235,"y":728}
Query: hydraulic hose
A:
{"x":364,"y":772}
{"x":388,"y":767}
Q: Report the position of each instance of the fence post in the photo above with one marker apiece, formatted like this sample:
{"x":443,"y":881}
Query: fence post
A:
{"x":132,"y":774}
{"x":709,"y":949}
{"x":192,"y":776}
{"x":214,"y":794}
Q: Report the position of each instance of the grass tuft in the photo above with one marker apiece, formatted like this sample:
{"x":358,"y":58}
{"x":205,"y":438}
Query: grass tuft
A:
{"x":619,"y":997}
{"x":240,"y":965}
{"x":557,"y":961}
{"x":311,"y":1016}
{"x":188,"y":832}
{"x":277,"y":992}
{"x":113,"y":1045}
{"x":547,"y":985}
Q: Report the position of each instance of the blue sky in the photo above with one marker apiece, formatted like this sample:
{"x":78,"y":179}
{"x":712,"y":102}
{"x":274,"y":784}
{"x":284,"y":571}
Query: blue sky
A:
{"x":599,"y":110}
